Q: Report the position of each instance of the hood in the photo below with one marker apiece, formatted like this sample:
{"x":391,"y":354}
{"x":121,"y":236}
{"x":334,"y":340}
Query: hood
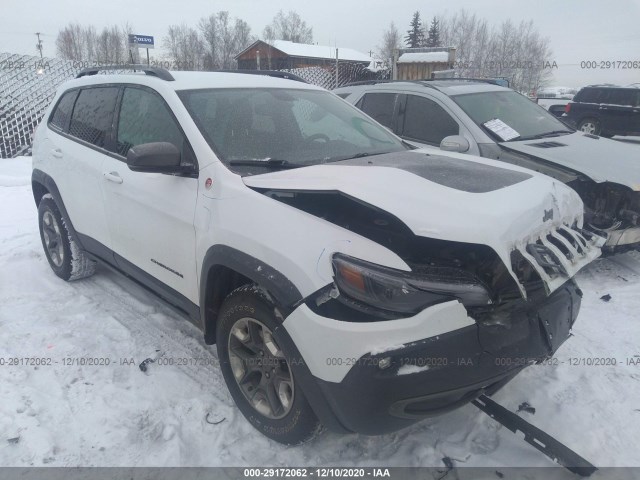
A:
{"x":601,"y":159}
{"x":471,"y":200}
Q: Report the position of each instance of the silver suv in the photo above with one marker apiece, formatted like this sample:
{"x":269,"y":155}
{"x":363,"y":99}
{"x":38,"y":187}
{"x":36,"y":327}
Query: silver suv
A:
{"x":480,"y":118}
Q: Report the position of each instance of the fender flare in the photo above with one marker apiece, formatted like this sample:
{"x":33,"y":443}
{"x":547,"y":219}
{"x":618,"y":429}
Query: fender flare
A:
{"x":284,"y":293}
{"x":38,"y":176}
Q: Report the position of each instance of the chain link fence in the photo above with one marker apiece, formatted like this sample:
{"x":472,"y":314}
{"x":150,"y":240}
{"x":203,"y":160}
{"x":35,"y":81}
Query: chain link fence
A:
{"x":28,"y":84}
{"x":325,"y":76}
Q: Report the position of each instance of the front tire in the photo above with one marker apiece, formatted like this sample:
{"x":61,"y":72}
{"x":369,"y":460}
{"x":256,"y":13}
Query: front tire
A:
{"x":67,"y":260}
{"x":257,"y":372}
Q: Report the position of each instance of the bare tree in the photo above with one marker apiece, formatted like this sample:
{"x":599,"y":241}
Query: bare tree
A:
{"x":185,"y":48}
{"x":75,"y":42}
{"x":290,"y":26}
{"x":513,"y":51}
{"x":71,"y":42}
{"x":209,"y":29}
{"x":223,"y":38}
{"x":391,"y":41}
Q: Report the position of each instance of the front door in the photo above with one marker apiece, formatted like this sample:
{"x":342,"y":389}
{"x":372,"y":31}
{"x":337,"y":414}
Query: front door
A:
{"x":151,"y":215}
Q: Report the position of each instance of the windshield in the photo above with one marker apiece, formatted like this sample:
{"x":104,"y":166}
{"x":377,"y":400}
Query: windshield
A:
{"x":528,"y":119}
{"x":293,"y":127}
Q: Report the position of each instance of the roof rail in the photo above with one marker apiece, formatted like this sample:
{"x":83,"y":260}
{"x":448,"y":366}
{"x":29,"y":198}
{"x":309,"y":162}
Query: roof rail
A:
{"x":376,"y":82}
{"x":268,"y":73}
{"x":161,"y":73}
{"x":422,"y":80}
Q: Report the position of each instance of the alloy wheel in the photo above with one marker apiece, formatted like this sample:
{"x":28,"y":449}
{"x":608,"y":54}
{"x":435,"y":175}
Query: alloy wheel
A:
{"x":260,"y":368}
{"x":53,"y":238}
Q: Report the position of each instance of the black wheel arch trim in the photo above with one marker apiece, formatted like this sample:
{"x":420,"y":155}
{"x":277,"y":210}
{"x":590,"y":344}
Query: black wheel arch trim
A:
{"x":38,"y":176}
{"x":284,"y":293}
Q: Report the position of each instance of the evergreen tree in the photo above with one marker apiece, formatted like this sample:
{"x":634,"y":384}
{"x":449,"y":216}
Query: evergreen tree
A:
{"x":415,"y":37}
{"x":433,"y":40}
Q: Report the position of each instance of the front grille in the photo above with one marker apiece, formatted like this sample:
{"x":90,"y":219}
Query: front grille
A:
{"x":559,"y":254}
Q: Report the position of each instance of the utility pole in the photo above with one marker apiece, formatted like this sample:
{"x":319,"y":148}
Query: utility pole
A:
{"x":39,"y":44}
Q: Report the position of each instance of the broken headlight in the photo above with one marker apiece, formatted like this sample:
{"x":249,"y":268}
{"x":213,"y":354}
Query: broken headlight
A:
{"x":406,"y":292}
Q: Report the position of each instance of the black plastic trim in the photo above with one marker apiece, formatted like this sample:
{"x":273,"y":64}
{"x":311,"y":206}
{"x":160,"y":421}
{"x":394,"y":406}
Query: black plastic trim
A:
{"x":283,"y":291}
{"x":38,"y":176}
{"x":108,"y":257}
{"x":161,"y":73}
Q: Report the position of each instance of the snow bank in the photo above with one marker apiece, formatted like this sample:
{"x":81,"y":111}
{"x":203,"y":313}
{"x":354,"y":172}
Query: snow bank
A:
{"x":73,"y":413}
{"x":15,"y":172}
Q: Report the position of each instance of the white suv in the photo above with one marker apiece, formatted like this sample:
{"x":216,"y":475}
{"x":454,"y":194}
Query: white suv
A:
{"x":347,"y":279}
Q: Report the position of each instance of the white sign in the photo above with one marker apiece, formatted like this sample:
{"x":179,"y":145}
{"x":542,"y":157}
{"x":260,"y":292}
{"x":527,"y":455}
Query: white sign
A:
{"x":501,"y":129}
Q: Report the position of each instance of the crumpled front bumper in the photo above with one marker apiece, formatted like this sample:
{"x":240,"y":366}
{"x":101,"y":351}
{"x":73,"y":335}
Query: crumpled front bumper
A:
{"x":434,"y":375}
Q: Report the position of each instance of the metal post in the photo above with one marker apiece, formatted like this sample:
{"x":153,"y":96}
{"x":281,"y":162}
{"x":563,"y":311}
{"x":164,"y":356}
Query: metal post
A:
{"x":39,"y":45}
{"x":148,"y":57}
{"x":337,"y":67}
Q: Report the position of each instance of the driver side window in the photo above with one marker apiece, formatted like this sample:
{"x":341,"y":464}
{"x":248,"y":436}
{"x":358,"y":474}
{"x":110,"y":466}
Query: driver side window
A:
{"x":145,"y":118}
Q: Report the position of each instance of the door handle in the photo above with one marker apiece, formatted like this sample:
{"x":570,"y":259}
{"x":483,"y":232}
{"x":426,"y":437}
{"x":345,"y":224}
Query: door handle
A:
{"x":56,"y":152}
{"x":113,"y":177}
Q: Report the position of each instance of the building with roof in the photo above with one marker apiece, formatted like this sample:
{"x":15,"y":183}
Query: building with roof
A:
{"x":282,"y":54}
{"x":421,"y":63}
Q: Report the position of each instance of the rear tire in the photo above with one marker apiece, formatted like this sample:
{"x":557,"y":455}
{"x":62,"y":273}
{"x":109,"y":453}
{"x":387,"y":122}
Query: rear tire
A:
{"x":590,"y":126}
{"x":257,"y":372}
{"x":67,"y":260}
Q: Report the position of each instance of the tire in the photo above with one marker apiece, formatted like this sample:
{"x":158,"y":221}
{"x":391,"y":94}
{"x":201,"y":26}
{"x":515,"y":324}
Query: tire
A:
{"x":249,"y":355}
{"x":590,"y":125}
{"x":67,"y":260}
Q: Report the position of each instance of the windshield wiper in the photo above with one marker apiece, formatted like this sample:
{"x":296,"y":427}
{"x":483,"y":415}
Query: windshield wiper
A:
{"x":357,"y":155}
{"x":552,"y":133}
{"x":271,"y":163}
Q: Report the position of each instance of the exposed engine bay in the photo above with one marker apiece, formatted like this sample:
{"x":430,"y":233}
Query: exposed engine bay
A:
{"x":613,"y":209}
{"x":420,"y":253}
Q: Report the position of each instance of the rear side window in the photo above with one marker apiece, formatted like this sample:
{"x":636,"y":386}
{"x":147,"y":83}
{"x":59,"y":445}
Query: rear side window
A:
{"x":146,"y":118}
{"x":93,"y":114}
{"x":379,"y":106}
{"x":62,"y":113}
{"x":622,"y":97}
{"x":426,"y":121}
{"x":589,"y":95}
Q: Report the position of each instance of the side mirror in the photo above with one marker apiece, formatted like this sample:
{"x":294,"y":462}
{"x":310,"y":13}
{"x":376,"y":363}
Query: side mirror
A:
{"x":455,"y":143}
{"x":156,"y":157}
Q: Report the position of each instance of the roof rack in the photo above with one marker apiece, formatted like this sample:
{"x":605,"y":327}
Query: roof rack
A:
{"x":268,"y":73}
{"x":161,"y":73}
{"x":421,"y":81}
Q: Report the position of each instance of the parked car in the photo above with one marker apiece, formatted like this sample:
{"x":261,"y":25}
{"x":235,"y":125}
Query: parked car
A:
{"x":605,"y":110}
{"x":347,"y":279}
{"x":480,"y":118}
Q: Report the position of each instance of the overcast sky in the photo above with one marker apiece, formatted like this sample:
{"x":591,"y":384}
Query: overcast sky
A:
{"x":579,"y":30}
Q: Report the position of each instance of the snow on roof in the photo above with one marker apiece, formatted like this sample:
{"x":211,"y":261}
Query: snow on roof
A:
{"x":319,"y":51}
{"x":424,"y":57}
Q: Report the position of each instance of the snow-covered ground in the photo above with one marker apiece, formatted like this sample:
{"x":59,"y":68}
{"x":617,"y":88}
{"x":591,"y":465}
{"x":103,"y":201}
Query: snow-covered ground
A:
{"x":116,"y":415}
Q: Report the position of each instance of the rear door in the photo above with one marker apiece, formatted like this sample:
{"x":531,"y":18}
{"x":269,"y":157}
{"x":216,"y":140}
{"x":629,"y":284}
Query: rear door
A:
{"x":619,"y":108}
{"x":151,"y":215}
{"x":79,"y":139}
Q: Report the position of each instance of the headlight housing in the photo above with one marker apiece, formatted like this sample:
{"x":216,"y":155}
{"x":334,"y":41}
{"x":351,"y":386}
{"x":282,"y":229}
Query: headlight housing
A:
{"x":406,"y":292}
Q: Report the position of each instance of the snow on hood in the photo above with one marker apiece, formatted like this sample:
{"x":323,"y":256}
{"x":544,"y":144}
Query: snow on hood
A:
{"x":601,"y":159}
{"x":526,"y":207}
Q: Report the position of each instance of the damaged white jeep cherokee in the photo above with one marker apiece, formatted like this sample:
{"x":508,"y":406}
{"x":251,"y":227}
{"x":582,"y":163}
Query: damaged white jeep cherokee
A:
{"x":347,"y":279}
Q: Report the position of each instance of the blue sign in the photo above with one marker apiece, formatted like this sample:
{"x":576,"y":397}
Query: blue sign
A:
{"x":144,"y":41}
